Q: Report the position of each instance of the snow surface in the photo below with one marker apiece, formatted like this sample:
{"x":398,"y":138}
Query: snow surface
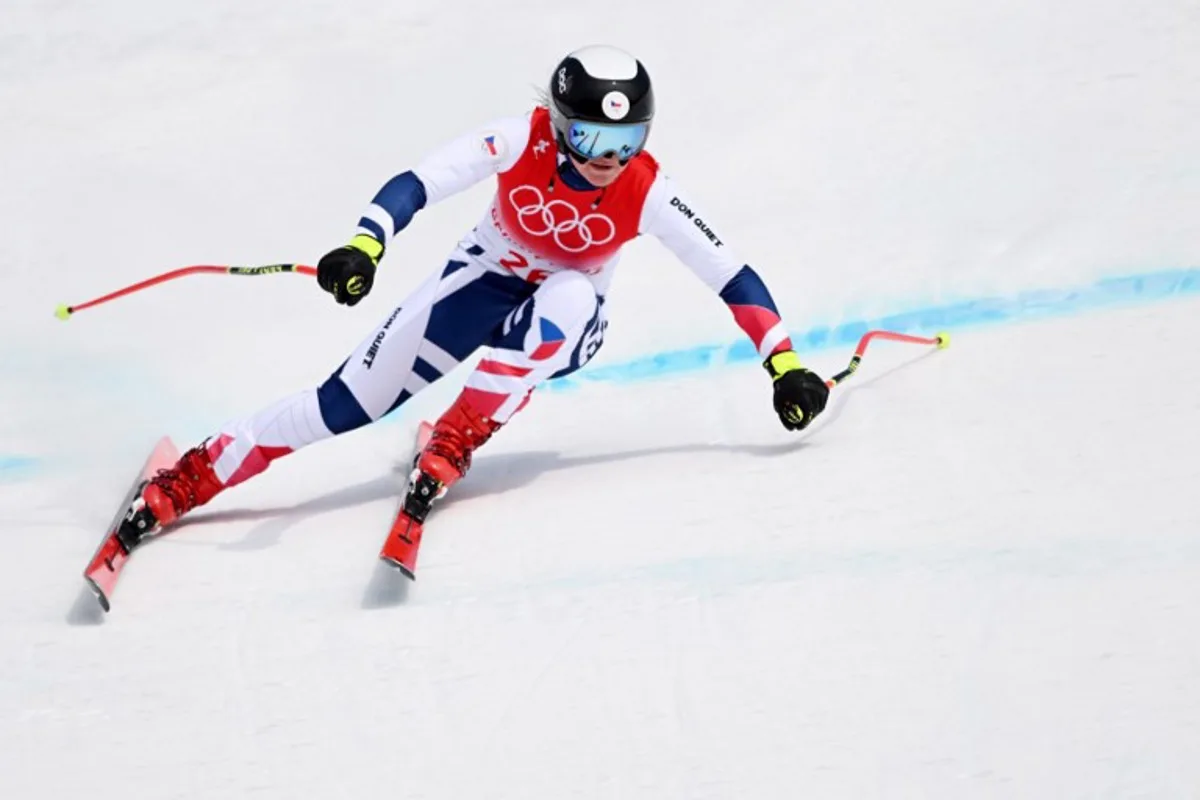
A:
{"x":977,"y":577}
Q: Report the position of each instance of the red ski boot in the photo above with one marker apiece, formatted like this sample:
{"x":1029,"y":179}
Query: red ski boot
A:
{"x":456,"y":435}
{"x":169,"y":495}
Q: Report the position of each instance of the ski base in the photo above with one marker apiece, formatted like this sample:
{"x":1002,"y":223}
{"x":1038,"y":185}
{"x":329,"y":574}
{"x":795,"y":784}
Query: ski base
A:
{"x":105,"y":567}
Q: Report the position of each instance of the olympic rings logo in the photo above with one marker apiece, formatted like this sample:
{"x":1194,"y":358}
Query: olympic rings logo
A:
{"x":560,"y":218}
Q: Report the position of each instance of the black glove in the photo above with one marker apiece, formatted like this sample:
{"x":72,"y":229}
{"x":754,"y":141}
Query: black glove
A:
{"x":349,"y":271}
{"x":800,"y":394}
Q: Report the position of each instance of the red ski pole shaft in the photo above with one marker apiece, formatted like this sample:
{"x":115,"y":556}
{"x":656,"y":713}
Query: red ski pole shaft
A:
{"x":941,"y":340}
{"x":64,"y":311}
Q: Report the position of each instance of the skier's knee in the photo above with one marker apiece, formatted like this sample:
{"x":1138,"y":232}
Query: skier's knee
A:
{"x":340,"y":409}
{"x":567,"y":296}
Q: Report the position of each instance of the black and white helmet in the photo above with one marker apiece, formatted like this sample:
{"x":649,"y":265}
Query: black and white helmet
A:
{"x":601,"y":103}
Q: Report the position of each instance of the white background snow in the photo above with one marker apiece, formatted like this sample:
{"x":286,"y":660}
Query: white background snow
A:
{"x":977,"y":578}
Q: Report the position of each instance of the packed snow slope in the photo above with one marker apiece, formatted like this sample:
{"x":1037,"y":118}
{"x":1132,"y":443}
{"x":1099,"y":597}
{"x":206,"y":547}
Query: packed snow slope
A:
{"x":975,"y":577}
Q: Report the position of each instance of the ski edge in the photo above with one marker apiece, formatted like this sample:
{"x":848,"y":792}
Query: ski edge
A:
{"x":405,"y":571}
{"x":101,"y":597}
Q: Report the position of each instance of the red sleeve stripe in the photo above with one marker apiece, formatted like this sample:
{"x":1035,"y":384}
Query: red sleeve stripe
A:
{"x":764,"y":327}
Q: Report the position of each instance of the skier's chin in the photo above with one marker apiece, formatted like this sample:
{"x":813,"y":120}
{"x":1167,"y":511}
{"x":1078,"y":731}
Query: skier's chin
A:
{"x":601,"y":172}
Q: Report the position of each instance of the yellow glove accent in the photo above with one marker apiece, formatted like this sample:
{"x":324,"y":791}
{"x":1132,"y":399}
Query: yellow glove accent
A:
{"x":782,"y":363}
{"x":369,"y":245}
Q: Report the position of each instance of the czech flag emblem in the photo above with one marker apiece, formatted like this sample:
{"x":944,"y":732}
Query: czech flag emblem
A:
{"x":552,"y":341}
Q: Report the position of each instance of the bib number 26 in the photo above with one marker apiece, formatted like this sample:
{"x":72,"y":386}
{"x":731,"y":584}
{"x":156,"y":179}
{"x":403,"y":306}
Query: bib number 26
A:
{"x":517,"y":264}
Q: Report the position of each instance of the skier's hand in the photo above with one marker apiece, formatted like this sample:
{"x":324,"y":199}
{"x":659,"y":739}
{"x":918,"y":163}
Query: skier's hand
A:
{"x":800,"y":394}
{"x":348,"y":272}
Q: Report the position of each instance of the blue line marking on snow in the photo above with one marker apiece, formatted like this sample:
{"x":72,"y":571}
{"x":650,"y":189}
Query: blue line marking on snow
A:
{"x":1131,"y":290}
{"x":1028,"y":305}
{"x":14,"y":468}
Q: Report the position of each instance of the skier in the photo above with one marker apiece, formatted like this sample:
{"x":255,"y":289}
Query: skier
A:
{"x":529,"y":284}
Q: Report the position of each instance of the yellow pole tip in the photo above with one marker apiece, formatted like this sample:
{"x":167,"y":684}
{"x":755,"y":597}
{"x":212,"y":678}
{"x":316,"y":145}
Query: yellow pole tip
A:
{"x":63,"y":312}
{"x":943,"y":340}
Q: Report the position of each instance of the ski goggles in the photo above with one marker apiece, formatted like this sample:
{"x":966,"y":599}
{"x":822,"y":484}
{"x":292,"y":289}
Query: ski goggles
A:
{"x":590,"y":140}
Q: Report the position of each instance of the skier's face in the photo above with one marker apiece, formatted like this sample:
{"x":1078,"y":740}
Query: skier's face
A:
{"x":600,"y":172}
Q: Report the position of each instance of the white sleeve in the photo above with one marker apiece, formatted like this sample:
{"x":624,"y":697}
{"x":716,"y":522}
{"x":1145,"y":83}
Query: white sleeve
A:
{"x":672,"y":219}
{"x":469,"y":159}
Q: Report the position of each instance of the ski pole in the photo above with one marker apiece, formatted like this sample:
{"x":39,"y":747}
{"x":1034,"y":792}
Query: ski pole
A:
{"x":941,"y":340}
{"x":64,"y":311}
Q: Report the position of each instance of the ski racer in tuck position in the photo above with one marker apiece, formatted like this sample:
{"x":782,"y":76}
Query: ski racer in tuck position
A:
{"x":575,"y":184}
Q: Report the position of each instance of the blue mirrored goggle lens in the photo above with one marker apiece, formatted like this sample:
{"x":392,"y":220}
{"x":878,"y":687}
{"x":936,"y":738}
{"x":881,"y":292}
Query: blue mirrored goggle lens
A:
{"x":595,"y":139}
